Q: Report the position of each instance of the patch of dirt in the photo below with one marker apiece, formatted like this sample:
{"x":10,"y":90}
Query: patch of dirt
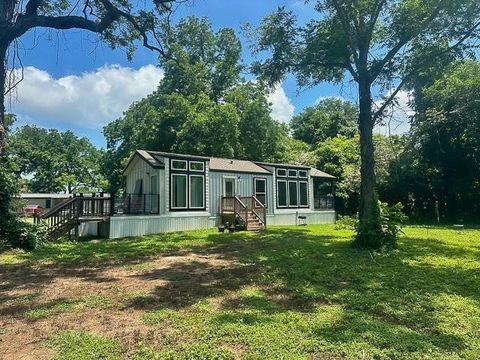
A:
{"x":128,"y":289}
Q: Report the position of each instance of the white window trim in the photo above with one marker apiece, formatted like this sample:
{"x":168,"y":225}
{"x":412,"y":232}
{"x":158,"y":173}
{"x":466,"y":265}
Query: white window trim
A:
{"x":171,"y":192}
{"x":286,"y":197}
{"x":286,"y":172}
{"x":234,"y":178}
{"x":300,"y":197}
{"x":294,"y":176}
{"x":264,"y":193}
{"x":190,"y":191}
{"x":303,"y":171}
{"x":298,"y":193}
{"x":181,"y":169}
{"x":196,"y":162}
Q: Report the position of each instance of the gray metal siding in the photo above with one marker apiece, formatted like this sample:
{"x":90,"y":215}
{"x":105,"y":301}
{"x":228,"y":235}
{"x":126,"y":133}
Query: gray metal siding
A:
{"x":244,"y":187}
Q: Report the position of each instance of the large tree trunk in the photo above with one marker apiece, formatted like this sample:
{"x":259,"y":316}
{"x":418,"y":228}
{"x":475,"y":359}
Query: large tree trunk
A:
{"x":368,"y":210}
{"x":3,"y":70}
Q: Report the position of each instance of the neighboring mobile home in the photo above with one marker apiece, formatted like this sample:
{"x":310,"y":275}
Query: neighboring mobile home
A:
{"x":175,"y":192}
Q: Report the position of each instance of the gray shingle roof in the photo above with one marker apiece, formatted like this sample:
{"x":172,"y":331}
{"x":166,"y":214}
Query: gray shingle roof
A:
{"x":219,"y":164}
{"x":320,"y":174}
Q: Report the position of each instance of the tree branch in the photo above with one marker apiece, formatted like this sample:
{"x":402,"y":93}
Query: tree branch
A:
{"x":378,"y":67}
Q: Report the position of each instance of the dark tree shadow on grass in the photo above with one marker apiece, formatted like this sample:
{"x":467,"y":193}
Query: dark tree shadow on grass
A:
{"x":386,"y":299}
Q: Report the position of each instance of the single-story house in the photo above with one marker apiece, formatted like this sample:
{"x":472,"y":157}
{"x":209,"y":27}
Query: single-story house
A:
{"x":46,"y":201}
{"x":174,"y":192}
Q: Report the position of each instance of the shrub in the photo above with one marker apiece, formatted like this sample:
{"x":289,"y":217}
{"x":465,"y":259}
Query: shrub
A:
{"x":345,"y":222}
{"x":384,"y":233}
{"x":20,"y":234}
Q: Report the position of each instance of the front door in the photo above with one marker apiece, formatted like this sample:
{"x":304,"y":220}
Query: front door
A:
{"x":229,"y":187}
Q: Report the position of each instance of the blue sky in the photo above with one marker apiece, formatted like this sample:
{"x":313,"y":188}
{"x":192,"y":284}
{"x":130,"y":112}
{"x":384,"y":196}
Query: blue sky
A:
{"x":73,"y":82}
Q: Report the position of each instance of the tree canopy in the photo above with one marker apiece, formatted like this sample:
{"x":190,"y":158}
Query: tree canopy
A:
{"x":375,"y":43}
{"x":55,"y":161}
{"x":329,"y":118}
{"x":202,"y":105}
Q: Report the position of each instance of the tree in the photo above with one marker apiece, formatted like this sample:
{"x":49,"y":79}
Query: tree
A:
{"x":202,"y":105}
{"x":329,"y":118}
{"x":447,"y":140}
{"x":56,"y":161}
{"x":375,"y":42}
{"x":115,"y":20}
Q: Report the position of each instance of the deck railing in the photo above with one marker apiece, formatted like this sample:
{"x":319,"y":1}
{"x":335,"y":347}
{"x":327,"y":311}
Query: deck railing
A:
{"x":245,"y":207}
{"x":324,"y":202}
{"x":138,"y":204}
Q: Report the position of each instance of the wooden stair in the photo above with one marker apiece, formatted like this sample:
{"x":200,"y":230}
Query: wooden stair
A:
{"x":70,"y":214}
{"x":247,"y":211}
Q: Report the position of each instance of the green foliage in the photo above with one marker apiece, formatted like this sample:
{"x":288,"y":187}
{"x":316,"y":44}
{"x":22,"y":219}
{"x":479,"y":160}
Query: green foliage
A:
{"x":202,"y":105}
{"x":289,"y":293}
{"x":384,"y":233}
{"x":82,"y":345}
{"x":329,"y":118}
{"x":440,"y":162}
{"x":379,"y":44}
{"x":346,"y":222}
{"x":58,"y":161}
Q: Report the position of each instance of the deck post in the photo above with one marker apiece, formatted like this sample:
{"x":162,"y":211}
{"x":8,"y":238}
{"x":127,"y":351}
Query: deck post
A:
{"x":112,"y":204}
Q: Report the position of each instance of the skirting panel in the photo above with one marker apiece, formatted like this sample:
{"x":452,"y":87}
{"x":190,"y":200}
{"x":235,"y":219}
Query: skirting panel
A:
{"x":125,"y":226}
{"x":312,"y":217}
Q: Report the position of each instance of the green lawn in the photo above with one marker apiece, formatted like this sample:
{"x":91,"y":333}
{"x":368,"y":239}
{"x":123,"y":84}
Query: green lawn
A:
{"x":291,"y":293}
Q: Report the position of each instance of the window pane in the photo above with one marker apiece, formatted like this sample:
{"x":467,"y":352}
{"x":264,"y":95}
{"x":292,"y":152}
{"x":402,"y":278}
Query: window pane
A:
{"x":260,"y":185}
{"x":281,"y":172}
{"x":196,"y":191}
{"x":179,"y":191}
{"x":292,"y":173}
{"x":154,"y":185}
{"x":282,"y":193}
{"x":292,"y":192}
{"x":196,"y":166}
{"x":302,"y":173}
{"x":229,"y":187}
{"x":262,"y":199}
{"x":179,"y":165}
{"x":303,"y":194}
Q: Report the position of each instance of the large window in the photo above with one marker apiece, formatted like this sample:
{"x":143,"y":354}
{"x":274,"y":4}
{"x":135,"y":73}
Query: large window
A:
{"x":197,"y":191}
{"x":260,"y":185}
{"x":292,"y":188}
{"x":303,"y":193}
{"x":187,"y":187}
{"x":179,"y":191}
{"x":282,"y":193}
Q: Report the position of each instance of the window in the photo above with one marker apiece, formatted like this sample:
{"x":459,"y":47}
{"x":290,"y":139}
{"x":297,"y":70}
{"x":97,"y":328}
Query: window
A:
{"x":281,"y":172}
{"x":179,"y":165}
{"x":154,"y":184}
{"x":138,"y":190}
{"x":293,"y":193}
{"x":282,"y":193}
{"x":260,"y":186}
{"x":187,"y":185}
{"x":48,"y":203}
{"x":179,"y":191}
{"x":197,"y":166}
{"x":197,"y":191}
{"x":303,"y":187}
{"x":228,"y":186}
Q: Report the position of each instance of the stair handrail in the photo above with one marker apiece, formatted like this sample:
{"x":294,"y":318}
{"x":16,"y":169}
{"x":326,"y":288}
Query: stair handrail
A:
{"x":57,"y":208}
{"x":258,"y":204}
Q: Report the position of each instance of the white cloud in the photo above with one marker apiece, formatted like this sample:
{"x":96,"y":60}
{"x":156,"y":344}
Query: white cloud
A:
{"x":282,"y":107}
{"x":397,"y":118}
{"x":89,"y":100}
